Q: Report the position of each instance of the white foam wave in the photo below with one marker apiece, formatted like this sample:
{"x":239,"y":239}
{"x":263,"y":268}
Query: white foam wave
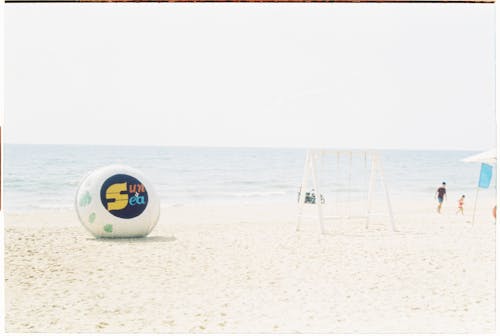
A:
{"x":253,"y":193}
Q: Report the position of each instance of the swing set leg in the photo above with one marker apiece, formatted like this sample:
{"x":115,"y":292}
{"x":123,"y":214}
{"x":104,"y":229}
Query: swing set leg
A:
{"x":303,"y":188}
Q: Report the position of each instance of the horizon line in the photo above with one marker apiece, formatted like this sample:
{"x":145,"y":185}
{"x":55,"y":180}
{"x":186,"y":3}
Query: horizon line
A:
{"x":252,"y":147}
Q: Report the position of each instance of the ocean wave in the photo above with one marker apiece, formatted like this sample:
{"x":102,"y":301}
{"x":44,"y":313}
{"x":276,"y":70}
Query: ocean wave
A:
{"x":53,"y":206}
{"x":253,"y":193}
{"x":39,"y":206}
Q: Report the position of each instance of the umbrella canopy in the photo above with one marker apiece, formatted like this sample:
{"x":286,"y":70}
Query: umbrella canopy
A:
{"x":489,"y":157}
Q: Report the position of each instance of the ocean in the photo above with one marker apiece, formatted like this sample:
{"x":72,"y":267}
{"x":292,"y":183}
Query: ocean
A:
{"x":47,"y":176}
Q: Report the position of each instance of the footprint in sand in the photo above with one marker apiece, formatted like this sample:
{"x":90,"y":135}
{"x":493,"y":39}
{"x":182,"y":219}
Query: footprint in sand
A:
{"x":101,"y":325}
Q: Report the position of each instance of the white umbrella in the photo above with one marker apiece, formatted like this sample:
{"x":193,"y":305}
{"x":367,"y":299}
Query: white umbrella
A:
{"x":489,"y":157}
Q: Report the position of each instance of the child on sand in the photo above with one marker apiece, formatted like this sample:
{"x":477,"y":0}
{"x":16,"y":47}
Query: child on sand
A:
{"x":461,"y":205}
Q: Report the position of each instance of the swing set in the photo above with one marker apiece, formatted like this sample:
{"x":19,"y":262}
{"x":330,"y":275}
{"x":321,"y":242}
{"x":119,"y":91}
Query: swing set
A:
{"x":315,"y":159}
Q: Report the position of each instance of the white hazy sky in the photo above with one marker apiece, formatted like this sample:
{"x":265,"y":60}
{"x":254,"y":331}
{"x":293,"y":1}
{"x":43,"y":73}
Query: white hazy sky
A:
{"x":415,"y":76}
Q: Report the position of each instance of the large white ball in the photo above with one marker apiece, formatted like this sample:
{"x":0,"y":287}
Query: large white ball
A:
{"x":117,"y":202}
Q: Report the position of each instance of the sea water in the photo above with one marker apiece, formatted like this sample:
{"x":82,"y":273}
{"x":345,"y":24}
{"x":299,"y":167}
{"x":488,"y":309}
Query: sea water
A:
{"x":47,"y":176}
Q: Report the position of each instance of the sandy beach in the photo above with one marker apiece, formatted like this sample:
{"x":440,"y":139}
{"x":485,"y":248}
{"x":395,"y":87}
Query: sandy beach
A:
{"x":244,"y":268}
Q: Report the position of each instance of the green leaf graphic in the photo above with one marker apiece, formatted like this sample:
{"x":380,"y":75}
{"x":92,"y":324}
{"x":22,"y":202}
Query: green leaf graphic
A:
{"x":85,"y":199}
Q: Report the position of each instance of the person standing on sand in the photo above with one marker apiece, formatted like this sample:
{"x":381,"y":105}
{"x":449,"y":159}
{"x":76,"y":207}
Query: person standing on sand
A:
{"x":441,"y":195}
{"x":461,"y":205}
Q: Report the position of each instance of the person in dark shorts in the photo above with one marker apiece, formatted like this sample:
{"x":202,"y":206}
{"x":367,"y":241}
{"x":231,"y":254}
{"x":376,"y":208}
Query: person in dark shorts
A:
{"x":441,"y":195}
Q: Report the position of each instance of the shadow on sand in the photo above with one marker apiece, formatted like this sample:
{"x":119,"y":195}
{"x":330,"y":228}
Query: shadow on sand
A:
{"x":153,"y":239}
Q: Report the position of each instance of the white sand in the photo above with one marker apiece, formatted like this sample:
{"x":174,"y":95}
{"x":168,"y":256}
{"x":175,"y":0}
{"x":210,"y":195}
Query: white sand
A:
{"x":243,"y":268}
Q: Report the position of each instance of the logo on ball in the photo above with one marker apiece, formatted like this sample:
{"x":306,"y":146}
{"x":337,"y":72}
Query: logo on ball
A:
{"x":124,"y":196}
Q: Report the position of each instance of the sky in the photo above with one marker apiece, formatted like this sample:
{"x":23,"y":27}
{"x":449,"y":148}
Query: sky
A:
{"x":405,"y":76}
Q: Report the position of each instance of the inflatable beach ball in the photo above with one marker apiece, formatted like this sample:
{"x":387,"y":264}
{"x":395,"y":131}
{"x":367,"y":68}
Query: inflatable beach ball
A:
{"x":117,"y":202}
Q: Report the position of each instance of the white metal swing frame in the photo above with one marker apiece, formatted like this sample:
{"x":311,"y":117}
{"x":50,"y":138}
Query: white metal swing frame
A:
{"x":313,"y":157}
